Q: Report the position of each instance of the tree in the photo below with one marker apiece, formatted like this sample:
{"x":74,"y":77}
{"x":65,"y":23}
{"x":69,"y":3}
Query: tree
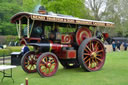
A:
{"x":97,"y":8}
{"x":68,"y":7}
{"x":7,"y":9}
{"x":115,"y":12}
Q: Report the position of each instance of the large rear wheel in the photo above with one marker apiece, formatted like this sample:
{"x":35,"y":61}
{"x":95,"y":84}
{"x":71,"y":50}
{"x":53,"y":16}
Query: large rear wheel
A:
{"x":91,"y":54}
{"x":47,"y":64}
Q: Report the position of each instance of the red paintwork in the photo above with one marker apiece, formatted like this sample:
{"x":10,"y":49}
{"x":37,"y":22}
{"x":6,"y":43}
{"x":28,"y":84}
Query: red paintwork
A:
{"x":49,"y":68}
{"x":57,"y":47}
{"x":106,"y":35}
{"x":29,"y":40}
{"x":32,"y":61}
{"x":66,"y":39}
{"x":97,"y":48}
{"x":67,"y":54}
{"x":82,"y":34}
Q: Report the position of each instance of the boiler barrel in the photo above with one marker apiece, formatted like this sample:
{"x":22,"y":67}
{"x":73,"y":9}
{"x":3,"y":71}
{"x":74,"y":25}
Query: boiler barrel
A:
{"x":46,"y":47}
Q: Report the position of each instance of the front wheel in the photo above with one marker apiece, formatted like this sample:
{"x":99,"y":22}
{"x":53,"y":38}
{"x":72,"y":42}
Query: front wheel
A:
{"x":47,"y":64}
{"x":28,"y":62}
{"x":91,"y":54}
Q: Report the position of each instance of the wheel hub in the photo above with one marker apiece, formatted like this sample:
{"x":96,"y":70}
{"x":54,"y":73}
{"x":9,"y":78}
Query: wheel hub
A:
{"x":94,"y":54}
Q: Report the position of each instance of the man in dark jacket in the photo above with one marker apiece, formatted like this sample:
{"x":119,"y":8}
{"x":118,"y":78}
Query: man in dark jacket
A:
{"x":125,"y":46}
{"x":118,"y":45}
{"x":24,"y":49}
{"x":114,"y":46}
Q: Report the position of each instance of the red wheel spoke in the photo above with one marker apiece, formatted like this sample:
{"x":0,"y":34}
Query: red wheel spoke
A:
{"x":100,"y":51}
{"x":31,"y":57}
{"x":96,"y":47}
{"x":46,"y":60}
{"x":99,"y":55}
{"x":31,"y":67}
{"x":92,"y":63}
{"x":87,"y":54}
{"x":52,"y":65}
{"x":49,"y":70}
{"x":42,"y":64}
{"x":26,"y":63}
{"x":99,"y":59}
{"x":92,"y":47}
{"x":51,"y":61}
{"x":89,"y":64}
{"x":43,"y":70}
{"x":88,"y":48}
{"x":26,"y":66}
{"x":85,"y":58}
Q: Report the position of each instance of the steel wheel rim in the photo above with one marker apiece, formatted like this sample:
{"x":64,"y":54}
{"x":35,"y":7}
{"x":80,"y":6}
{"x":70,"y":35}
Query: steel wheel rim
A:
{"x":48,"y":65}
{"x":94,"y":55}
{"x":30,"y":62}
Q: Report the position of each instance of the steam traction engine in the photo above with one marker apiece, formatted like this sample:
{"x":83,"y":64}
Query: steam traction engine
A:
{"x":77,"y":46}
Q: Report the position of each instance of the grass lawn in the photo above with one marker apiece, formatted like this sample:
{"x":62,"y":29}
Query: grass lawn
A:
{"x":114,"y":72}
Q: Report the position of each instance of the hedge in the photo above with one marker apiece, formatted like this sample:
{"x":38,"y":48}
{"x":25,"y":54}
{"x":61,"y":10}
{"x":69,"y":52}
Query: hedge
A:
{"x":9,"y":50}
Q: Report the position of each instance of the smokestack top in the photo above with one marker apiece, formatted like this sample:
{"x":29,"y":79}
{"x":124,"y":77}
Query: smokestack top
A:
{"x":42,"y":10}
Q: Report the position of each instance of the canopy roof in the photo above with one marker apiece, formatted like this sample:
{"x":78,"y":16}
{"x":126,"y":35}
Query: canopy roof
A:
{"x":58,"y":19}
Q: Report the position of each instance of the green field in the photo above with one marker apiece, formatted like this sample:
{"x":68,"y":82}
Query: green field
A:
{"x":114,"y":72}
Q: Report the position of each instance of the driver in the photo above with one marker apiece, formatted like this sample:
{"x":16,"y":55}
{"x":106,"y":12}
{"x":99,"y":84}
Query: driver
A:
{"x":52,"y":35}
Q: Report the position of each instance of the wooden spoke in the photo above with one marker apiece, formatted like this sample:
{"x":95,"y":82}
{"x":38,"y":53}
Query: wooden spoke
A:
{"x":99,"y":59}
{"x":85,"y":58}
{"x":52,"y":65}
{"x":31,"y":57}
{"x":100,"y":51}
{"x":43,"y":69}
{"x":31,"y":67}
{"x":88,"y":48}
{"x":94,"y":63}
{"x":52,"y":60}
{"x":48,"y":70}
{"x":89,"y":64}
{"x":100,"y":55}
{"x":27,"y":66}
{"x":42,"y":64}
{"x":26,"y":63}
{"x":92,"y":47}
{"x":46,"y":59}
{"x":96,"y":47}
{"x":87,"y":54}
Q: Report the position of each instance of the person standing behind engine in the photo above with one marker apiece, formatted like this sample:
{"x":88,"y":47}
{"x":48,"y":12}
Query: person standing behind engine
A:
{"x":114,"y":46}
{"x":125,"y":46}
{"x":118,"y":45}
